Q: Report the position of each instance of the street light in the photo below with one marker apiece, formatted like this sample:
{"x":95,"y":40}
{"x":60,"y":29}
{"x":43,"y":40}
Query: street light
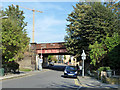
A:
{"x":83,"y":58}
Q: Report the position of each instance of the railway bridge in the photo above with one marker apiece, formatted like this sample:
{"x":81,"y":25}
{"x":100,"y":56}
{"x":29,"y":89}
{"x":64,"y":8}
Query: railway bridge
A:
{"x":45,"y":49}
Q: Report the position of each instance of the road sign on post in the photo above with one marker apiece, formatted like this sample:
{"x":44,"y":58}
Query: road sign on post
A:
{"x":83,"y":58}
{"x":41,"y":60}
{"x":40,"y":64}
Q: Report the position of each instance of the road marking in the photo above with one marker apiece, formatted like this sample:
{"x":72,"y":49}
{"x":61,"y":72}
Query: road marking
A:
{"x":76,"y":82}
{"x":79,"y":84}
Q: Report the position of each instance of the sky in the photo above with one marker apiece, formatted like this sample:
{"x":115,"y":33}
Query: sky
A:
{"x":50,"y":26}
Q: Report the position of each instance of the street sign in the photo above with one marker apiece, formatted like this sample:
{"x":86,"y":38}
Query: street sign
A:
{"x":41,"y":60}
{"x":83,"y":55}
{"x":83,"y":58}
{"x":41,"y":56}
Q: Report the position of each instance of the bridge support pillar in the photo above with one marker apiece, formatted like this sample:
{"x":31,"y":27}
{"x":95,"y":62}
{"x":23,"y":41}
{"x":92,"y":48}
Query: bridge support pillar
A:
{"x":45,"y":61}
{"x":33,"y":59}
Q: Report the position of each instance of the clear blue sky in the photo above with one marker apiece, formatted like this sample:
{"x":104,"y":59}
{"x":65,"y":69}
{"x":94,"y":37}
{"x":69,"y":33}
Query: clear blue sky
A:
{"x":51,"y":24}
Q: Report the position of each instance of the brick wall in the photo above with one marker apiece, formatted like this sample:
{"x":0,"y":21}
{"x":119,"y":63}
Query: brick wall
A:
{"x":26,"y":62}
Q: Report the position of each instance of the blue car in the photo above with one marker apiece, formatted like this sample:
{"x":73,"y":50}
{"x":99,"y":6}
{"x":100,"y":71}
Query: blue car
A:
{"x":70,"y":71}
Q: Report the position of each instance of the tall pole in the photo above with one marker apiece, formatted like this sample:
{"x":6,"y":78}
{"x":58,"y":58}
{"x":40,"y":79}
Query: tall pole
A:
{"x":83,"y":69}
{"x":33,"y":25}
{"x":83,"y":58}
{"x":41,"y":52}
{"x":41,"y":61}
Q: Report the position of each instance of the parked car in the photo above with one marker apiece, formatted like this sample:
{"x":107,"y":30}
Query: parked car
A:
{"x":70,"y":71}
{"x":51,"y":63}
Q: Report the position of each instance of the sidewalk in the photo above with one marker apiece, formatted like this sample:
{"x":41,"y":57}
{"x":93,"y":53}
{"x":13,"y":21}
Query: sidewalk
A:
{"x":21,"y":74}
{"x":90,"y":82}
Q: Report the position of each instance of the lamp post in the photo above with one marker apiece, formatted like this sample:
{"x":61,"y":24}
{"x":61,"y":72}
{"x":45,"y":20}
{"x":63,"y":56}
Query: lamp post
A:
{"x":83,"y":58}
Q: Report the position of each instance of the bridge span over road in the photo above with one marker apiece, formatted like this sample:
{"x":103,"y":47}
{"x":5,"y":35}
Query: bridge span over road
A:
{"x":48,"y":49}
{"x":51,"y":48}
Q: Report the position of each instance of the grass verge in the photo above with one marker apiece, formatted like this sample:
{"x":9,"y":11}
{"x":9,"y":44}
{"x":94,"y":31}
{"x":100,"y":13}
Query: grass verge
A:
{"x":25,"y":69}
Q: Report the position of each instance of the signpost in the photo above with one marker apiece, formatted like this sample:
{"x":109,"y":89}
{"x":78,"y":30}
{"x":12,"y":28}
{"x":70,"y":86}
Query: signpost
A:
{"x":40,"y":61}
{"x":83,"y":58}
{"x":41,"y":53}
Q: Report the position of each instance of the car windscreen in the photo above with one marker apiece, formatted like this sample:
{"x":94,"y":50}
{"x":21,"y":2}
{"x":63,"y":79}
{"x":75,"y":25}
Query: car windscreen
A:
{"x":71,"y":68}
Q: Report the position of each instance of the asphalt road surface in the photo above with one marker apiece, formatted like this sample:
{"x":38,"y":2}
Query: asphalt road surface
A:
{"x":51,"y":78}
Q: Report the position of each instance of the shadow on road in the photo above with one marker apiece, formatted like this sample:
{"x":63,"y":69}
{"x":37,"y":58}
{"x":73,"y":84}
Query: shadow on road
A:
{"x":56,"y":67}
{"x":68,"y":77}
{"x":65,"y":86}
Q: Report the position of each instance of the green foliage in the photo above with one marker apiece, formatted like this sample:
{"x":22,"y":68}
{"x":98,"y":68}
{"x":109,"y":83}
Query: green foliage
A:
{"x":113,"y":50}
{"x":25,"y":69}
{"x":50,"y":57}
{"x":114,"y":57}
{"x":109,"y":49}
{"x":95,"y":28}
{"x":64,"y":57}
{"x":88,"y":23}
{"x":10,"y":66}
{"x":103,"y":69}
{"x":112,"y":42}
{"x":14,"y":35}
{"x":54,"y":58}
{"x":96,"y":53}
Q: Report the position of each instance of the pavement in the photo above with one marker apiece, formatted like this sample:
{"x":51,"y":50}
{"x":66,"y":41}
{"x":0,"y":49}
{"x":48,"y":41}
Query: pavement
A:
{"x":90,"y":82}
{"x":21,"y":74}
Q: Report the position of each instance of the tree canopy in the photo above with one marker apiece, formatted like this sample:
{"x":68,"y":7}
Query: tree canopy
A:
{"x":14,"y":35}
{"x":90,"y":26}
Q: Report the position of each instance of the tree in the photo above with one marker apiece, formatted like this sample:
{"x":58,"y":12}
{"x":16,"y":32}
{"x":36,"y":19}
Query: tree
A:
{"x":14,"y":35}
{"x":97,"y":53}
{"x":115,"y":6}
{"x":52,"y":58}
{"x":88,"y":23}
{"x":106,"y":52}
{"x":112,"y":45}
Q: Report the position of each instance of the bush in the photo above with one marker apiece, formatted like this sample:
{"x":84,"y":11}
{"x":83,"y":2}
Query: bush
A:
{"x":10,"y":66}
{"x":103,"y":69}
